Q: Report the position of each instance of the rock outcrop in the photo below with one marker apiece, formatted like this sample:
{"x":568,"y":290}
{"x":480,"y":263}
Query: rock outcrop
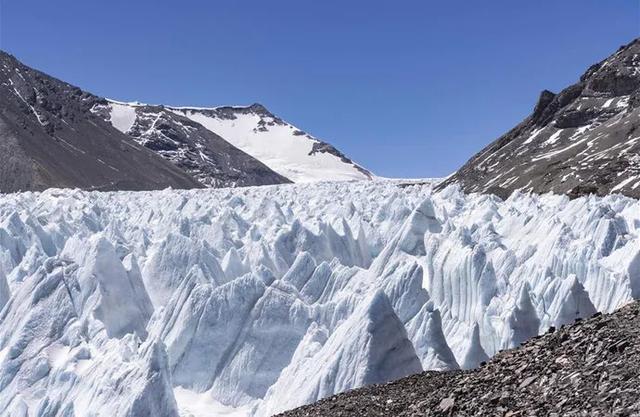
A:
{"x":583,"y":140}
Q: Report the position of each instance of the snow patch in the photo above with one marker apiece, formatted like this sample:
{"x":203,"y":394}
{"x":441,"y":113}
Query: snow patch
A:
{"x":123,"y":116}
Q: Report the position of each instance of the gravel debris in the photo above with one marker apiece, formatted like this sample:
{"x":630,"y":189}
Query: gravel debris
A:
{"x":590,"y":368}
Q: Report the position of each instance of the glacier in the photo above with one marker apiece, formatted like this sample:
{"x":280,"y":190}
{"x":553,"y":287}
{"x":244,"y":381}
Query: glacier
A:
{"x":251,"y":301}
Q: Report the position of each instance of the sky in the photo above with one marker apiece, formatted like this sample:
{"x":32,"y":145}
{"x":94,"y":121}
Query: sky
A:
{"x":405,"y":88}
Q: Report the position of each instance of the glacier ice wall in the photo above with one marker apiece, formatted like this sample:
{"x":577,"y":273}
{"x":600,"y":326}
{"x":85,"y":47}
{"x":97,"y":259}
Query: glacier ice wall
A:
{"x":252,"y":301}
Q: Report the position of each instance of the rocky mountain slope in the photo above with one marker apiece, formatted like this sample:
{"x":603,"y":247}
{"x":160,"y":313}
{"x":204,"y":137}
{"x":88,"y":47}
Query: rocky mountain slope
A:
{"x":56,"y":135}
{"x":49,"y":138}
{"x":590,"y":368}
{"x":255,"y":300}
{"x":285,"y":149}
{"x":210,"y":159}
{"x":582,"y":140}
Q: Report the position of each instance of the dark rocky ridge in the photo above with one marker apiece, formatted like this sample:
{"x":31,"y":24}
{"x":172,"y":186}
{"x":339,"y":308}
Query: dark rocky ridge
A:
{"x":590,"y":368}
{"x":207,"y":157}
{"x":583,"y":140}
{"x":50,"y":138}
{"x":324,"y":147}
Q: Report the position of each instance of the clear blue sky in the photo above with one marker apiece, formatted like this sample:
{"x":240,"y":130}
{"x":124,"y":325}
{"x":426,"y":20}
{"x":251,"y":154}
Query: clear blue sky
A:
{"x":407,"y":88}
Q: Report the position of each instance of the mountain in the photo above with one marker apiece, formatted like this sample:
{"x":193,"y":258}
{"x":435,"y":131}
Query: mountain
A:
{"x":582,"y":140}
{"x":281,"y":146}
{"x":210,"y":159}
{"x":250,"y":301}
{"x":50,"y":138}
{"x":56,"y":135}
{"x":590,"y":368}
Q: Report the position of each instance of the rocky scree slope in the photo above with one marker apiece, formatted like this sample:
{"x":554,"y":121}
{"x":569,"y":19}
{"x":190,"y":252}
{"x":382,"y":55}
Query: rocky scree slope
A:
{"x":583,"y":140}
{"x":590,"y":368}
{"x":49,"y":138}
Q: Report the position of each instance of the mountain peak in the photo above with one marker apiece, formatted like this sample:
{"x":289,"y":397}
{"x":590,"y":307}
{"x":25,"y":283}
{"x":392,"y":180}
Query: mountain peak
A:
{"x":578,"y":141}
{"x":51,"y":139}
{"x":258,"y":108}
{"x":58,"y":135}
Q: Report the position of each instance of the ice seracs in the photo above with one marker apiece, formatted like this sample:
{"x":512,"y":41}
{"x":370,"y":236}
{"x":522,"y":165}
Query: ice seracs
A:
{"x":570,"y":301}
{"x":118,"y":298}
{"x":523,"y":319}
{"x":69,"y":332}
{"x":475,"y":353}
{"x":253,"y":300}
{"x":370,"y":347}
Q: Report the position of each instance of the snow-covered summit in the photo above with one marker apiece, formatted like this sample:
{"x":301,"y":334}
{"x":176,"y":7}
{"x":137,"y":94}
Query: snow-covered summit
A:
{"x":204,"y":155}
{"x":285,"y":149}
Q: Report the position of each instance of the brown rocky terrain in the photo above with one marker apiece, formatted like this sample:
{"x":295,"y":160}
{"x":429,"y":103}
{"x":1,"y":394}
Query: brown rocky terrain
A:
{"x":590,"y":368}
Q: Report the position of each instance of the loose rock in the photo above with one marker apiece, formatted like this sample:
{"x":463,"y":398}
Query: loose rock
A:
{"x":543,"y":377}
